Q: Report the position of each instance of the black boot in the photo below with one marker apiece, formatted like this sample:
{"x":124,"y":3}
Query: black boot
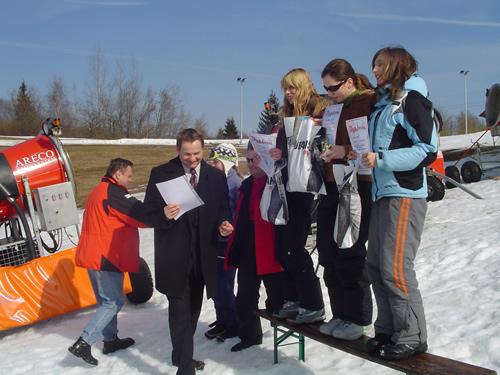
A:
{"x":216,"y":330}
{"x":393,"y":352}
{"x":117,"y":344}
{"x":197,"y":364}
{"x":244,"y":344}
{"x":82,"y":350}
{"x":374,"y":344}
{"x":227,"y":334}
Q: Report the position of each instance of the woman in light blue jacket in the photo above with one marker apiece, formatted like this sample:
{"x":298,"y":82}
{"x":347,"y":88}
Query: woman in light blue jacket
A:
{"x":404,"y":141}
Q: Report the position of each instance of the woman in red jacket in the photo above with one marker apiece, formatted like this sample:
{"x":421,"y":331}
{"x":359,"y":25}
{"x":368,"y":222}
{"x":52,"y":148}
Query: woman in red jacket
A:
{"x":251,"y":249}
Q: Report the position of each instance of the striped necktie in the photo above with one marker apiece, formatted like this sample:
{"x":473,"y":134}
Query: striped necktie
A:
{"x":192,"y":180}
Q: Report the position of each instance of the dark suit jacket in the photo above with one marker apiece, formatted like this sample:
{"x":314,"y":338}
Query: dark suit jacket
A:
{"x":173,"y":239}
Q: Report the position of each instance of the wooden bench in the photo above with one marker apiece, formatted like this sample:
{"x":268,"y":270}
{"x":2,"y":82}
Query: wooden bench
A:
{"x":425,"y":363}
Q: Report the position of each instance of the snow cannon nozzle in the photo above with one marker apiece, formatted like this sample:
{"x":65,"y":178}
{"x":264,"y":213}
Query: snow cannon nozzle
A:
{"x":51,"y":127}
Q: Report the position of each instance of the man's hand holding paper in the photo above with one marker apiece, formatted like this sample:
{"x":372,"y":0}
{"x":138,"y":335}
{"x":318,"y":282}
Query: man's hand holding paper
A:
{"x":179,"y":196}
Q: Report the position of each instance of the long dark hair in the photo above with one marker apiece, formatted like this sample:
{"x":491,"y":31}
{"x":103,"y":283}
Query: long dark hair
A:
{"x":401,"y":65}
{"x":342,"y":70}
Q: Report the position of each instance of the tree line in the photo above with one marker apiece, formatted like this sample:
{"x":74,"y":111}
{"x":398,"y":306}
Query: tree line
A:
{"x":454,"y":125}
{"x":111,"y":106}
{"x":118,"y":106}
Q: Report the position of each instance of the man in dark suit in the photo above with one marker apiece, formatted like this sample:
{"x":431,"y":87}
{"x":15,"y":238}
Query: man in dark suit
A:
{"x":186,"y":248}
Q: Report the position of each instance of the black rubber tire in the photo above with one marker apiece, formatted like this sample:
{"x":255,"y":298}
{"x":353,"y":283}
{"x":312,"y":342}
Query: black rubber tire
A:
{"x":142,"y":284}
{"x":471,"y":171}
{"x":435,"y":189}
{"x":452,"y":172}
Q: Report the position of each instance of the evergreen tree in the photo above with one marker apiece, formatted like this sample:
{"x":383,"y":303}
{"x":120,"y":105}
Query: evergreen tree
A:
{"x":27,"y":118}
{"x":269,"y":116}
{"x":230,"y":129}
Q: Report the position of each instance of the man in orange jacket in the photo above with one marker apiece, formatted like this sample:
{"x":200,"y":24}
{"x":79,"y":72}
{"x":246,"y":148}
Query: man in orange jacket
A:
{"x":108,"y":247}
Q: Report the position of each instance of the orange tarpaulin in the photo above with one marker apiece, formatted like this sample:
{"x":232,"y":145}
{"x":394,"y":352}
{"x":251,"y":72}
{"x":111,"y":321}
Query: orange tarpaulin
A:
{"x":44,"y":288}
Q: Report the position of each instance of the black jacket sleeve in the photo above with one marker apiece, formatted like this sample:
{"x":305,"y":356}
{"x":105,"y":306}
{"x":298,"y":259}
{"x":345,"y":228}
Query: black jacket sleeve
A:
{"x":126,"y":207}
{"x":154,"y":203}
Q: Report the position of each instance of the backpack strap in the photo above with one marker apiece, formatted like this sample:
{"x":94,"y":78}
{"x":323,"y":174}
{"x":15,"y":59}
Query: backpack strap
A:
{"x":436,"y":116}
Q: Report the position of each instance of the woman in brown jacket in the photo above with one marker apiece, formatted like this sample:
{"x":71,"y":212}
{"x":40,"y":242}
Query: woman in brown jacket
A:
{"x":344,"y":268}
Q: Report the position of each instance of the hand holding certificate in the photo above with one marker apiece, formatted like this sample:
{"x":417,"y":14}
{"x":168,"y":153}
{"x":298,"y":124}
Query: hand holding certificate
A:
{"x":180,"y":195}
{"x":263,"y":144}
{"x":331,"y":121}
{"x":360,"y":140}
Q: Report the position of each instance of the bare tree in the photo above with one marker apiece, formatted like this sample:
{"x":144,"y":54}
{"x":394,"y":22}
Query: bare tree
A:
{"x":201,"y":125}
{"x":145,"y":113}
{"x":164,"y":111}
{"x":59,"y":105}
{"x":6,"y":110}
{"x":120,"y":107}
{"x":474,"y":123}
{"x":95,"y":111}
{"x":6,"y":116}
{"x":449,"y":123}
{"x":169,"y":114}
{"x":139,"y":105}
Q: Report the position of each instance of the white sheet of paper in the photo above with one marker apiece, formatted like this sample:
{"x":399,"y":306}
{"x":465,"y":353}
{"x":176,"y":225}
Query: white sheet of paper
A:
{"x":179,"y":191}
{"x":357,"y":128}
{"x":262,"y":143}
{"x":289,"y":123}
{"x":331,"y":121}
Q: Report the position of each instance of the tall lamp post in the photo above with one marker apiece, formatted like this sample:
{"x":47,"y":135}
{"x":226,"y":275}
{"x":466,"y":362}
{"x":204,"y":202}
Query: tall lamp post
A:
{"x":241,"y":80}
{"x":465,"y":72}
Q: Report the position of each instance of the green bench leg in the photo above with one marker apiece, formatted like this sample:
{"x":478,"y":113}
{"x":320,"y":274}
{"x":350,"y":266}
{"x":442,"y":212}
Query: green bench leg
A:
{"x":302,"y":348}
{"x":277,"y":341}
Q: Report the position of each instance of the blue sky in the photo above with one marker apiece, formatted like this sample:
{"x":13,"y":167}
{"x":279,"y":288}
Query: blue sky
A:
{"x":203,"y":46}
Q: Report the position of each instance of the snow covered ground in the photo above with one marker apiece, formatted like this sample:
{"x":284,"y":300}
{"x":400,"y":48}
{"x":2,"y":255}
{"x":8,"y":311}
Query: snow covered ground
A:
{"x":466,"y":140}
{"x":458,"y":267}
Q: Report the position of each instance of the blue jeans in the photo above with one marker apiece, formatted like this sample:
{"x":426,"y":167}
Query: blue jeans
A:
{"x":108,"y":289}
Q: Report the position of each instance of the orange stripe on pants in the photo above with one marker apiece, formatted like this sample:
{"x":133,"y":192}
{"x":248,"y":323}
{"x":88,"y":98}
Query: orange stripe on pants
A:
{"x":406,"y":216}
{"x":399,"y":248}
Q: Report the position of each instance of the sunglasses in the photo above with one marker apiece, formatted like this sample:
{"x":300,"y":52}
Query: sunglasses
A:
{"x":334,"y":88}
{"x":249,"y":160}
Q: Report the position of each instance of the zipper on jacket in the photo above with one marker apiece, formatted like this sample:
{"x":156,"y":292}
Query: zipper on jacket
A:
{"x":375,"y":121}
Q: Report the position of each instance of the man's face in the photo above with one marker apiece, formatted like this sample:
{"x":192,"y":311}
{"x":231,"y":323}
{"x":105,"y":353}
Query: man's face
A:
{"x":190,"y":153}
{"x":124,"y":176}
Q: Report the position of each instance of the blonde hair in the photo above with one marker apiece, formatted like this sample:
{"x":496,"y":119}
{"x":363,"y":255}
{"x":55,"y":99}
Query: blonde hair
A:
{"x":306,"y":100}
